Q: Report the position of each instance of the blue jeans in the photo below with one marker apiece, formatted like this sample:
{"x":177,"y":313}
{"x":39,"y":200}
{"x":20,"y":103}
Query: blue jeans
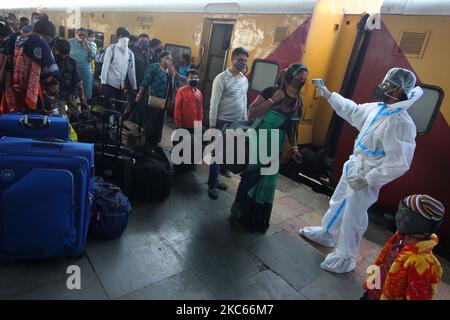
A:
{"x":214,"y":169}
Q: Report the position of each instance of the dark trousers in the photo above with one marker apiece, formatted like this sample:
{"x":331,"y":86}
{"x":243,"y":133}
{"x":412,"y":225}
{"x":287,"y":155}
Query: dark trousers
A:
{"x":214,"y":168}
{"x":113,"y":93}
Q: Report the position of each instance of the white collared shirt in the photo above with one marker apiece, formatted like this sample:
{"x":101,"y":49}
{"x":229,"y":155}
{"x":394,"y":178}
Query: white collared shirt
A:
{"x":115,"y":71}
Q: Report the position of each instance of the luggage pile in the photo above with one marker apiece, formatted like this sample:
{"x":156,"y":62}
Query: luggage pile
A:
{"x":54,"y":192}
{"x":46,"y":188}
{"x":122,"y":157}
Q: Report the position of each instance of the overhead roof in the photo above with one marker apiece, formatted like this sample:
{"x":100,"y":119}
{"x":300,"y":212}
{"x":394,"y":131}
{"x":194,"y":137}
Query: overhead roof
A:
{"x":416,"y":7}
{"x":201,"y":6}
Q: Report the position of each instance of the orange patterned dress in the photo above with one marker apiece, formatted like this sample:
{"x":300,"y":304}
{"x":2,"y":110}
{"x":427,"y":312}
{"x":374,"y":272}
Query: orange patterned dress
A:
{"x":413,"y":272}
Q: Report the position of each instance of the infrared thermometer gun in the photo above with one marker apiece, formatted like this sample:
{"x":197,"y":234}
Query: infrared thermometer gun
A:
{"x":318,"y":83}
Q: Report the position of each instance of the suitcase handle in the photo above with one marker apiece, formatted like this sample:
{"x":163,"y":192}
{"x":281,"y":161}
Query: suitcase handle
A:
{"x":51,"y":142}
{"x":36,"y":124}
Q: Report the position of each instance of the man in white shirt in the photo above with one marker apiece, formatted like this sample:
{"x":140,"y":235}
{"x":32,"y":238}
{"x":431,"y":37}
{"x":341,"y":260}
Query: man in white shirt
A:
{"x":118,"y":66}
{"x":228,"y":105}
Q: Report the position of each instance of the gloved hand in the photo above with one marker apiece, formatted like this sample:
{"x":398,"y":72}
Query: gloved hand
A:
{"x":357,"y":183}
{"x":323,"y":91}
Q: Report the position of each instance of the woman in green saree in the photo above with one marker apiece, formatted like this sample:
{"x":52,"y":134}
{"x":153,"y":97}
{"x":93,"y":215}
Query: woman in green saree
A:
{"x":279,"y":108}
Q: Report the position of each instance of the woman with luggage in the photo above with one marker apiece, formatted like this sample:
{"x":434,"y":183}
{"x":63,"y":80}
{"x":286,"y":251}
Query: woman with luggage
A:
{"x":30,"y":62}
{"x":279,"y":108}
{"x":159,"y":83}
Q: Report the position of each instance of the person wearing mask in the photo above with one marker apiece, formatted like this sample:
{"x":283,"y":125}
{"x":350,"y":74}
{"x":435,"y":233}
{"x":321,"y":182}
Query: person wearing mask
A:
{"x":156,"y":47}
{"x":279,"y":108}
{"x":70,"y":86}
{"x":189,"y":106}
{"x":118,"y":66}
{"x":35,"y":16}
{"x":383,"y":152}
{"x":159,"y":82}
{"x":30,"y":64}
{"x":141,"y":56}
{"x":81,"y":51}
{"x":228,"y":104}
{"x":23,"y":22}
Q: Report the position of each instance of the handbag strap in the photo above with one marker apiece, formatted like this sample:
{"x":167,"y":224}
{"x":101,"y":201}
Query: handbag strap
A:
{"x":169,"y":84}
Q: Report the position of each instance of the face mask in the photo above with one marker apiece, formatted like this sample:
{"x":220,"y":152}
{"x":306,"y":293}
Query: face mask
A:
{"x":91,"y":39}
{"x":123,"y":42}
{"x":193,"y":83}
{"x":34,"y":21}
{"x":241,"y":66}
{"x":297,"y":84}
{"x":380,"y":95}
{"x":143,"y":45}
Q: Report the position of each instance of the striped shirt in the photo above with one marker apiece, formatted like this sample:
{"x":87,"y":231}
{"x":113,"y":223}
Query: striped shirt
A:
{"x":228,"y":98}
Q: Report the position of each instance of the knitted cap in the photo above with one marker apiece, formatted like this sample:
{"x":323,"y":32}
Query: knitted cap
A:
{"x":425,"y":205}
{"x":419,"y":214}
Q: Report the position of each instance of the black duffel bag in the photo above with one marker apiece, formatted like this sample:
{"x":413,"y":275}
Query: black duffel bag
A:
{"x":153,"y":174}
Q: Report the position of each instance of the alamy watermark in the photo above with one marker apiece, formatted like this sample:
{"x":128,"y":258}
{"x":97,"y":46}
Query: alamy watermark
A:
{"x":74,"y":280}
{"x":373,"y":277}
{"x":262,"y":147}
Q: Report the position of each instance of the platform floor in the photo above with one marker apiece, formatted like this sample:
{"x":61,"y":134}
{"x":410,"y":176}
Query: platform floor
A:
{"x":186,"y":248}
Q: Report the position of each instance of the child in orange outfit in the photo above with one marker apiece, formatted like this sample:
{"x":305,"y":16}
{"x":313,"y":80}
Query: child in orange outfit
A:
{"x":408,"y":268}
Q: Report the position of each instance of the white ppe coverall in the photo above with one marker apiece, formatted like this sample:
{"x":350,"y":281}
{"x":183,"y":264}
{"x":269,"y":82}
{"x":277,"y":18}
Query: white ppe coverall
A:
{"x":383,"y":151}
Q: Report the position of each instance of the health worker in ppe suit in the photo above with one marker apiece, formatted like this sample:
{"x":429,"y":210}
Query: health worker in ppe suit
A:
{"x":383,"y":151}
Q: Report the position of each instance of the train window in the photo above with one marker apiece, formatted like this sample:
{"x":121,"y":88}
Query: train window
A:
{"x":71,"y":33}
{"x":177,"y":51}
{"x":99,"y":39}
{"x":264,"y":74}
{"x":425,"y":110}
{"x":62,"y":32}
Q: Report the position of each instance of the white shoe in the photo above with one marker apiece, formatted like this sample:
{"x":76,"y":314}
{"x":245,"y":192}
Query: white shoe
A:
{"x":318,"y":235}
{"x":334,"y":263}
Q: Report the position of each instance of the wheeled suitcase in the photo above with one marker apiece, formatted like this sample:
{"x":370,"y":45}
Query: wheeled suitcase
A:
{"x":115,"y":164}
{"x":34,"y":126}
{"x":46,"y":195}
{"x":153,"y":174}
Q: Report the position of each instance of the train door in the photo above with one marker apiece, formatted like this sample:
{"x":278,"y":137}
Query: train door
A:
{"x":218,"y":47}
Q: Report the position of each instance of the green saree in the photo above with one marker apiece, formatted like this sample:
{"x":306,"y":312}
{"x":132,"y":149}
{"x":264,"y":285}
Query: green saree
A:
{"x":254,"y":199}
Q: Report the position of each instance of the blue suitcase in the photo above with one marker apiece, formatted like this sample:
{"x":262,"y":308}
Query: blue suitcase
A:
{"x":46,"y":196}
{"x":34,"y":126}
